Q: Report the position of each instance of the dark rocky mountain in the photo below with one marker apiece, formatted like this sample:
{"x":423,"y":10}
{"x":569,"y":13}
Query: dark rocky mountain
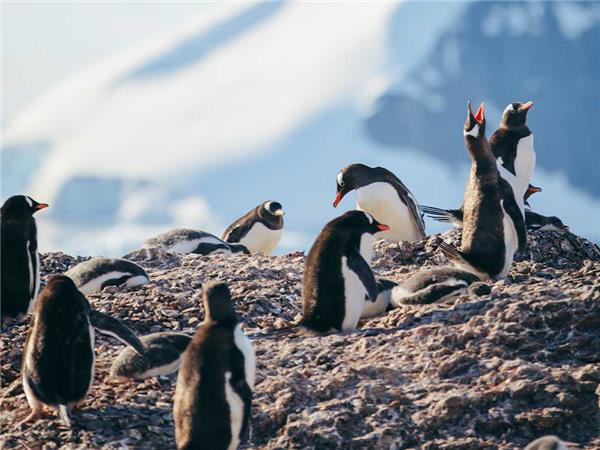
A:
{"x":501,"y":52}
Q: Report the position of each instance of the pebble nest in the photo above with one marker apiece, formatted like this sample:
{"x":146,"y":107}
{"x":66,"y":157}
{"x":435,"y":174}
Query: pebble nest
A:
{"x":492,"y":371}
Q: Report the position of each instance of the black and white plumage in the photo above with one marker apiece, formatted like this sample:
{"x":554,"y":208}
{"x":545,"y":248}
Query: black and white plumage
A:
{"x":431,"y":285}
{"x":213,"y":395}
{"x":537,"y":221}
{"x":58,"y":358}
{"x":162,"y":357}
{"x":381,"y":193}
{"x":188,"y":240}
{"x":20,"y":260}
{"x":383,"y":300}
{"x":260,"y":229}
{"x":493,"y":225}
{"x":95,"y":274}
{"x":337,"y":276}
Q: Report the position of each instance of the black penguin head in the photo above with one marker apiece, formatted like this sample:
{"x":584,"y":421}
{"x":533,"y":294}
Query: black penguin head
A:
{"x":22,"y":205}
{"x":218,"y":306}
{"x":475,"y":123}
{"x":60,"y":299}
{"x":353,"y":176}
{"x":515,"y":114}
{"x":361,"y":222}
{"x":272,"y":208}
{"x":239,"y":248}
{"x":531,"y":189}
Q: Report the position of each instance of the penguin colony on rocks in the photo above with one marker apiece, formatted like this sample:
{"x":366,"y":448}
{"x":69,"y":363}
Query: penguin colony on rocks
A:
{"x":216,"y":367}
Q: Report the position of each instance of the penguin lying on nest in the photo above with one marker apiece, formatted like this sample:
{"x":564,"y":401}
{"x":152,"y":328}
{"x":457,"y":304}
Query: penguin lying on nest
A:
{"x":58,"y":358}
{"x":95,"y":274}
{"x":162,"y":357}
{"x":188,"y":240}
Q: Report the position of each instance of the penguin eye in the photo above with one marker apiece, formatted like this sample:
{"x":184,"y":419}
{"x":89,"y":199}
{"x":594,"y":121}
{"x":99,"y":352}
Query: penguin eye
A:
{"x":342,"y":183}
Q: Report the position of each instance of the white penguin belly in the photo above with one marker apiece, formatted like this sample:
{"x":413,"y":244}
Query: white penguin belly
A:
{"x":382,"y":201}
{"x":245,"y":347}
{"x":236,"y":412}
{"x":510,"y":241}
{"x":525,"y":160}
{"x":261,"y":239}
{"x":354,"y":297}
{"x":378,"y":307}
{"x":191,"y":245}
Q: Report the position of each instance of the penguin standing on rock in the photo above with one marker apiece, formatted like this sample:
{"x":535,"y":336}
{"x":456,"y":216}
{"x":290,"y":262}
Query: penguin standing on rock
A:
{"x":494,"y":225}
{"x":337,"y":276}
{"x":259,"y":230}
{"x":162,"y":357}
{"x":20,"y":260}
{"x":214,"y":386}
{"x":95,"y":274}
{"x":381,"y":194}
{"x":188,"y":240}
{"x":58,"y":358}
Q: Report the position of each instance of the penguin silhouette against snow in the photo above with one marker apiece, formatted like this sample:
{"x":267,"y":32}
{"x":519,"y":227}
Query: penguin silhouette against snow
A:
{"x":20,"y":260}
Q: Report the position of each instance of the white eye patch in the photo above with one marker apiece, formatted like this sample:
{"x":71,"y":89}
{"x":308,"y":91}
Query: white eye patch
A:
{"x":369,"y":217}
{"x":509,"y":108}
{"x":340,"y":179}
{"x":29,"y":201}
{"x":474,"y":131}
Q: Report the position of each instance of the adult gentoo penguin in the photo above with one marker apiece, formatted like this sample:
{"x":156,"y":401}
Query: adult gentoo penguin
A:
{"x":259,"y":229}
{"x":512,"y":146}
{"x":336,"y":276}
{"x":162,"y":357}
{"x":493,"y":225}
{"x":95,"y":274}
{"x":432,"y":285}
{"x":20,"y":260}
{"x":455,"y":216}
{"x":188,"y":240}
{"x":58,"y":359}
{"x":381,"y":193}
{"x":214,"y":386}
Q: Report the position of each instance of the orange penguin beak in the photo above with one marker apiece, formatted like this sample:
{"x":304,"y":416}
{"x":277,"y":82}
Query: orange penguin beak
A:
{"x":338,"y":199}
{"x":480,"y":115}
{"x":526,"y":106}
{"x":533,"y":189}
{"x":382,"y":227}
{"x":42,"y":206}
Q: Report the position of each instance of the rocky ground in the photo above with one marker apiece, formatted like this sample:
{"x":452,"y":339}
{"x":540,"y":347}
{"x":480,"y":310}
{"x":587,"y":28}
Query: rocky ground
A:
{"x":493,"y":371}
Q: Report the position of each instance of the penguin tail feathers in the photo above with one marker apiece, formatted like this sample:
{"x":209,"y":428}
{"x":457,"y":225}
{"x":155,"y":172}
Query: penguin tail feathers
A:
{"x":63,"y":410}
{"x":454,"y":256}
{"x":441,"y":215}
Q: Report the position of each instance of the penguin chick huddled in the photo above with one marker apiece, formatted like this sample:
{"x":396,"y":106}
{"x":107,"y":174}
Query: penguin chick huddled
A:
{"x":58,"y":358}
{"x":537,"y":221}
{"x":214,"y":388}
{"x":260,"y":229}
{"x":97,"y":273}
{"x":381,"y":194}
{"x":20,"y":260}
{"x":336,"y":275}
{"x":382,"y":303}
{"x":188,"y":240}
{"x":162,"y":357}
{"x":431,"y":285}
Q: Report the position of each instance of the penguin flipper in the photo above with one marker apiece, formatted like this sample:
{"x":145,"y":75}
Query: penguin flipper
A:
{"x":361,"y":268}
{"x":454,"y":216}
{"x":115,"y":328}
{"x":454,"y":255}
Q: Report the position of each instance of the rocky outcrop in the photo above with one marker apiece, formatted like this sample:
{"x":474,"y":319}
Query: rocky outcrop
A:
{"x":474,"y":372}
